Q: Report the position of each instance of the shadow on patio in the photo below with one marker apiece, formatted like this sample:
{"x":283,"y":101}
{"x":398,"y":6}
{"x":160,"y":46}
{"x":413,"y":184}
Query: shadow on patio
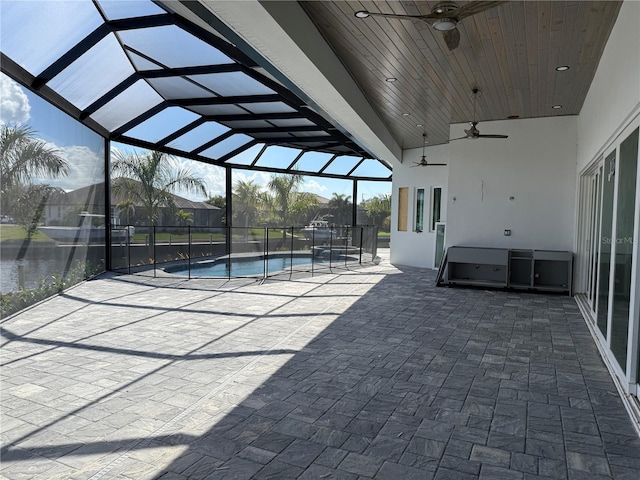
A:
{"x":373,"y":373}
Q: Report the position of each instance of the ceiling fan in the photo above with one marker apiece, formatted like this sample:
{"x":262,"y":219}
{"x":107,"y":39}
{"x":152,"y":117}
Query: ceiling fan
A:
{"x":473,"y":132}
{"x":444,"y":17}
{"x":423,"y":161}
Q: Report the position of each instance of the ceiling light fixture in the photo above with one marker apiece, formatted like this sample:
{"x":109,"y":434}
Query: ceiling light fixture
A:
{"x":362,"y":14}
{"x":557,"y":107}
{"x":406,"y":114}
{"x":562,"y":68}
{"x":444,"y":24}
{"x":391,"y":79}
{"x":419,"y":125}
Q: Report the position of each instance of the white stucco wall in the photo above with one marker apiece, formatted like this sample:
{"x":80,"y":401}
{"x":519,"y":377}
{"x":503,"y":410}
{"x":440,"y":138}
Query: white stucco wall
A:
{"x":536,"y":166}
{"x":418,"y":248}
{"x":614,"y":96}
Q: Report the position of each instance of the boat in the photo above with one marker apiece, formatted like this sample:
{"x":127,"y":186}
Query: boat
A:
{"x":318,"y":230}
{"x":91,"y":230}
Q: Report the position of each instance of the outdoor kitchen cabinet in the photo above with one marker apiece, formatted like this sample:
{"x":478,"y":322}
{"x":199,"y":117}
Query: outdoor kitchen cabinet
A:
{"x":537,"y":270}
{"x":483,"y":267}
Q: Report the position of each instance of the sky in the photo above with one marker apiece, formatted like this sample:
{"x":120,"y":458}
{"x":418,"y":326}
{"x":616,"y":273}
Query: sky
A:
{"x":83,"y":150}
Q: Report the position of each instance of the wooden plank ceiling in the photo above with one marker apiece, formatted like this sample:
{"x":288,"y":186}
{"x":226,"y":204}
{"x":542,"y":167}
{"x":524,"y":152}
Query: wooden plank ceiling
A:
{"x":509,"y":52}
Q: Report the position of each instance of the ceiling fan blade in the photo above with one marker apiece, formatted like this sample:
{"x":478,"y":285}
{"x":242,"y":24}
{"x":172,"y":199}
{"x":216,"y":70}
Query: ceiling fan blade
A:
{"x":419,"y":164}
{"x":393,"y":15}
{"x":452,"y":38}
{"x":492,"y":136}
{"x":472,"y":8}
{"x":459,"y":138}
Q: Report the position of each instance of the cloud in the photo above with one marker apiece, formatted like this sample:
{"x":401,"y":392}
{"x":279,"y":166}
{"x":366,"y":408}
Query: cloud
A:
{"x":14,"y":103}
{"x":313,"y":186}
{"x":261,"y":178}
{"x":214,"y":178}
{"x":86,"y":167}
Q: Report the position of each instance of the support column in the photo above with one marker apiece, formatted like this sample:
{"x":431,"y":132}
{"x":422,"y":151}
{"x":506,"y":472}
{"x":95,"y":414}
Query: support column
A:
{"x":228,"y":207}
{"x":107,"y":204}
{"x":354,"y":206}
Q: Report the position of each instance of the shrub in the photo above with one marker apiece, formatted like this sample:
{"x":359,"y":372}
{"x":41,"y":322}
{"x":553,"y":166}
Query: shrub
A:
{"x":47,"y":286}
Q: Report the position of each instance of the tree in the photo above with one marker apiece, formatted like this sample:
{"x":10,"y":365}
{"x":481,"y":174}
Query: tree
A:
{"x":219,"y":201}
{"x":128,"y":207}
{"x":184,"y":217}
{"x":29,"y":207}
{"x":287,"y":204}
{"x":341,"y":208}
{"x":247,"y":201}
{"x":150,"y":179}
{"x":22,"y":158}
{"x":379,"y":209}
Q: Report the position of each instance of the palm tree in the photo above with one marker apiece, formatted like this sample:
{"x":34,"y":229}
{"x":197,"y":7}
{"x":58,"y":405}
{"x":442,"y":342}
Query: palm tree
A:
{"x":282,"y":188}
{"x":128,"y":207}
{"x":247,"y":201}
{"x":341,"y":208}
{"x":23,"y":157}
{"x":286,"y":202}
{"x":379,"y":209}
{"x":150,"y":179}
{"x":184,"y":217}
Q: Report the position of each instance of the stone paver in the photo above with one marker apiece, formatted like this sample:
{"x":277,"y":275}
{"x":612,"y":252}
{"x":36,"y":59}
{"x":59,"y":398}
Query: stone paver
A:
{"x":368,"y":373}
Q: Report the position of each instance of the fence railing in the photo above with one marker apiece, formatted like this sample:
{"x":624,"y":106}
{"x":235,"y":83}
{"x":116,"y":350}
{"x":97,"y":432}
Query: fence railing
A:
{"x":232,"y":252}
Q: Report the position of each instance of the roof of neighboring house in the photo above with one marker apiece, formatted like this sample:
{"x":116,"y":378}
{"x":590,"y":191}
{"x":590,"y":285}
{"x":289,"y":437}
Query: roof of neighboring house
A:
{"x":320,"y":199}
{"x":93,"y":194}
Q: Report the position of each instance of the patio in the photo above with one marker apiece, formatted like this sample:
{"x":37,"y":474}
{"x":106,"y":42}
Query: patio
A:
{"x":369,"y":373}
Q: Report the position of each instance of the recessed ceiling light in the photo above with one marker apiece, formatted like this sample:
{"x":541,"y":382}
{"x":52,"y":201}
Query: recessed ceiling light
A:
{"x":562,"y":68}
{"x":362,"y":14}
{"x":419,"y":125}
{"x":391,"y":79}
{"x":406,"y":114}
{"x":557,"y":107}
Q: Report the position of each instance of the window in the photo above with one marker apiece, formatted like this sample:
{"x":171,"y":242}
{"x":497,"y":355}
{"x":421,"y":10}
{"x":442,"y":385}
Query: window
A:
{"x":419,"y":226}
{"x":436,"y":206}
{"x":403,"y":207}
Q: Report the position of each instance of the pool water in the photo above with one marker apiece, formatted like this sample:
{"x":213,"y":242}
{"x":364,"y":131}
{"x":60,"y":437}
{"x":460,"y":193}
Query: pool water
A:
{"x":241,"y":267}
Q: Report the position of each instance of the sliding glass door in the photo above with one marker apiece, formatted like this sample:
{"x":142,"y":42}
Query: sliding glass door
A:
{"x":606,"y":229}
{"x":624,"y":247}
{"x":593,"y":232}
{"x":610,"y":213}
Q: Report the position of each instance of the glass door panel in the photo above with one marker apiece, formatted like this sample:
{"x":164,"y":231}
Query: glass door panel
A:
{"x":594,"y":243}
{"x":604,"y":265}
{"x":624,"y":247}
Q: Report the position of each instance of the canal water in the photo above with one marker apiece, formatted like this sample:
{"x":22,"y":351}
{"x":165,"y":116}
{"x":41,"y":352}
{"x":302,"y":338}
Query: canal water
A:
{"x":42,"y":263}
{"x":34,"y":269}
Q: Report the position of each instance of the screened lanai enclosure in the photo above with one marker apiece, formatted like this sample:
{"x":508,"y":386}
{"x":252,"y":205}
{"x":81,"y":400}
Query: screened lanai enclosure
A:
{"x":88,"y":86}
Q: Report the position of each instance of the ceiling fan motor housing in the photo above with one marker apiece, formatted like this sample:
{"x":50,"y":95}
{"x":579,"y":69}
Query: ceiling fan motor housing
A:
{"x":444,"y":7}
{"x":444,"y":23}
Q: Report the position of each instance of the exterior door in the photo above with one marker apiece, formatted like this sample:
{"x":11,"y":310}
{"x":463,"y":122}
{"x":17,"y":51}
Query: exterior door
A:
{"x":593,"y":241}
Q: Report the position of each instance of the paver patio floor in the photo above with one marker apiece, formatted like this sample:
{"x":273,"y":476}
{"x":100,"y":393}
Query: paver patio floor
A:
{"x":371,"y":373}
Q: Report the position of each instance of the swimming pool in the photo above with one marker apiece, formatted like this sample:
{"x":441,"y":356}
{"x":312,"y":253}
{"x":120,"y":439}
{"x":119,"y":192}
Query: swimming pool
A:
{"x":241,"y":266}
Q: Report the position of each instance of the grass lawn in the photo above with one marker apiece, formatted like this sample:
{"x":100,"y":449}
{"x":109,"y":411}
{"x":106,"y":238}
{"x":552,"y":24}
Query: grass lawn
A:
{"x":238,"y":234}
{"x":16,"y":232}
{"x":164,"y":237}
